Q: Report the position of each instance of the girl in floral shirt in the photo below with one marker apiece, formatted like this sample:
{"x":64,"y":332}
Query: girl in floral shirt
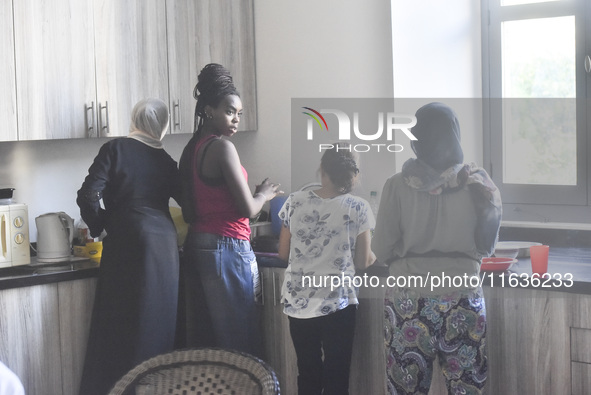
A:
{"x":325,"y":236}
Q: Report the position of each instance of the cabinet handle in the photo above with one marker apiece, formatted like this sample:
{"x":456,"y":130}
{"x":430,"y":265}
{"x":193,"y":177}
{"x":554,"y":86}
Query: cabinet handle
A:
{"x":262,"y":280}
{"x":104,"y":126}
{"x":176,"y":115}
{"x":274,"y":293}
{"x":89,"y":125}
{"x":588,"y":64}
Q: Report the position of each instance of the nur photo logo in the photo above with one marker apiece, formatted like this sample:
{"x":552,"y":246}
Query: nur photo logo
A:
{"x":378,"y":137}
{"x":314,"y":118}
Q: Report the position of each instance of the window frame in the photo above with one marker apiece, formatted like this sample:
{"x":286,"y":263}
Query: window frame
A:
{"x":545,"y":203}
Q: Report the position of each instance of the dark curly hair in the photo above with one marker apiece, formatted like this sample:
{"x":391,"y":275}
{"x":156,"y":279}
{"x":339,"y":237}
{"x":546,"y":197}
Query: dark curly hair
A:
{"x":213,"y":84}
{"x":340,"y":164}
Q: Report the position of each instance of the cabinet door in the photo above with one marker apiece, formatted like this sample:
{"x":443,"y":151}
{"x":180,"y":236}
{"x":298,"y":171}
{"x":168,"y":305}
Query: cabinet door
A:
{"x":368,"y":362}
{"x":581,"y":378}
{"x":278,"y":347}
{"x":76,"y":299}
{"x":7,"y":76}
{"x":206,"y":31}
{"x":528,"y":341}
{"x":55,"y":80}
{"x":131,"y":59}
{"x":29,"y":337}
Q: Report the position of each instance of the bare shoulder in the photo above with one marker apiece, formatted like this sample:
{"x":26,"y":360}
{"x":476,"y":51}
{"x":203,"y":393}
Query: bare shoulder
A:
{"x":223,"y":147}
{"x":224,"y":153}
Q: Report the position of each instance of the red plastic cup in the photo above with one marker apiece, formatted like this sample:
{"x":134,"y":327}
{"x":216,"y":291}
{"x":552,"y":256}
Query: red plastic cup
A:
{"x":539,"y":259}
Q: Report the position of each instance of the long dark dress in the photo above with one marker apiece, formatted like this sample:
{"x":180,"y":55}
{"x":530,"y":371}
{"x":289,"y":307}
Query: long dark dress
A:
{"x":135,"y":307}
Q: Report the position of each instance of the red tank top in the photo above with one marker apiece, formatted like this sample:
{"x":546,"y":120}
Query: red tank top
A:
{"x":215,"y":207}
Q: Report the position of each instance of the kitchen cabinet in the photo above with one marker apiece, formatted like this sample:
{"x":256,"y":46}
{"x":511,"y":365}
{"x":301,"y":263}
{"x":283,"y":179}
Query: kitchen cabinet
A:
{"x":528,"y":336}
{"x":580,"y":345}
{"x":278,"y":347}
{"x":581,"y":378}
{"x":210,"y":31}
{"x":368,"y":364}
{"x":30,"y":340}
{"x":76,"y":300}
{"x":580,"y":360}
{"x":7,"y":74}
{"x":82,"y":65}
{"x":43,"y":334}
{"x":55,"y":69}
{"x":131,"y":59}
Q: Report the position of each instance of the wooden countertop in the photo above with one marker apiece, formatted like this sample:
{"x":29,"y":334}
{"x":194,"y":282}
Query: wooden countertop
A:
{"x":566,"y":266}
{"x":569,"y":269}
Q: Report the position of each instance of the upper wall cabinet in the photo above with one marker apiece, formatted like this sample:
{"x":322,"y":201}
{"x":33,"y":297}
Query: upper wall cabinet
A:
{"x":206,"y":31}
{"x":131,"y":63}
{"x":81,"y":65}
{"x":7,"y":76}
{"x":55,"y":70}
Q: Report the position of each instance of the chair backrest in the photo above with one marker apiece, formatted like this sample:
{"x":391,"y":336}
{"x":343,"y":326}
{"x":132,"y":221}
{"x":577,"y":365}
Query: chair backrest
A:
{"x":200,"y":371}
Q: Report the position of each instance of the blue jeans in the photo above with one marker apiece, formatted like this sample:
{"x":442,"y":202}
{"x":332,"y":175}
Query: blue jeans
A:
{"x":220,"y":282}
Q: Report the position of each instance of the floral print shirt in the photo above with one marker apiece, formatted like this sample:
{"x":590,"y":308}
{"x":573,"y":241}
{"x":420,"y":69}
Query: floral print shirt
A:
{"x":319,"y":279}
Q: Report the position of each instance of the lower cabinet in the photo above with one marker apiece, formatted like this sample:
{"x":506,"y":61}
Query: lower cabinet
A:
{"x":368,"y":364}
{"x":580,"y":350}
{"x":581,"y":378}
{"x":538,"y":341}
{"x":30,"y":338}
{"x":278,"y":348}
{"x":76,"y":299}
{"x":43,"y":334}
{"x":528,"y":336}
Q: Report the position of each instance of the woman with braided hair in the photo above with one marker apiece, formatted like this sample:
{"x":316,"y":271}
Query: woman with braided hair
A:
{"x":325,"y":234}
{"x":221,"y":270}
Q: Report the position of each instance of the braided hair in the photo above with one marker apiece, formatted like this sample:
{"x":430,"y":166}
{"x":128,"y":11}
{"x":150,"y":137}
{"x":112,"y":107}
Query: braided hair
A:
{"x":340,"y":164}
{"x":213,"y":84}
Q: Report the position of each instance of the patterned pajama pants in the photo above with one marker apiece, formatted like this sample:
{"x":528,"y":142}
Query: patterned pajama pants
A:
{"x":420,"y":328}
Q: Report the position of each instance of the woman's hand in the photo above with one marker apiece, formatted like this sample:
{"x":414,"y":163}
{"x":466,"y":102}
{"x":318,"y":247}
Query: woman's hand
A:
{"x":267,"y":189}
{"x":229,"y":162}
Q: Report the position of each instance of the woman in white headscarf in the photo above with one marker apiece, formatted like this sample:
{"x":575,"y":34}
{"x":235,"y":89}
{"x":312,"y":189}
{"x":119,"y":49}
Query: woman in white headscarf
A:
{"x":135,"y":306}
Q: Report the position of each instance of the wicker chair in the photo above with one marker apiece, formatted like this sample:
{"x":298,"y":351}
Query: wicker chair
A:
{"x":199,"y":371}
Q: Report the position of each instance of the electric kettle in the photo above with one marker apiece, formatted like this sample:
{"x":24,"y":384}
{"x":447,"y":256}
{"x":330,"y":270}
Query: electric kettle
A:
{"x":55,"y":232}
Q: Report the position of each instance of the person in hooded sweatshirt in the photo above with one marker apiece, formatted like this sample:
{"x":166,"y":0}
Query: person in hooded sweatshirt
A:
{"x":134,"y":314}
{"x":437,"y":218}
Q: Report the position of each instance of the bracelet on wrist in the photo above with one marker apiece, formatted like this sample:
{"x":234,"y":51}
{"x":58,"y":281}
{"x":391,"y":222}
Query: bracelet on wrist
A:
{"x":260,"y":193}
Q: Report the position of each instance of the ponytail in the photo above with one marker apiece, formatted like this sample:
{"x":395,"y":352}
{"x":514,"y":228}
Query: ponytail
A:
{"x":340,"y":164}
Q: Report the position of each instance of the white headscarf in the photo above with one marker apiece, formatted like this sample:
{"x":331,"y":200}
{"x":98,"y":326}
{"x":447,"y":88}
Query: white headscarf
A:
{"x":149,"y":122}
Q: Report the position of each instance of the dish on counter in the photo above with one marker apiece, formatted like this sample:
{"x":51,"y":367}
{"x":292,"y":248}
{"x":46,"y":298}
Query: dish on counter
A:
{"x":497,"y":264}
{"x":514,"y":249}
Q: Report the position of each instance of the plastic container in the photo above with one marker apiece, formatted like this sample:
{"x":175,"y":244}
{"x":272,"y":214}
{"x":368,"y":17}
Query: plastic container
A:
{"x":93,"y":250}
{"x":274,"y":207}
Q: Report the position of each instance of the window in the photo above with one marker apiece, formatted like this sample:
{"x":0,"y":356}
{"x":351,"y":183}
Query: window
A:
{"x":536,"y":88}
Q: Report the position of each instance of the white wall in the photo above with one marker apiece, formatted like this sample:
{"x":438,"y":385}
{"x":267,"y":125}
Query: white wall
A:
{"x":305,"y":48}
{"x":437,"y":56}
{"x":312,"y":49}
